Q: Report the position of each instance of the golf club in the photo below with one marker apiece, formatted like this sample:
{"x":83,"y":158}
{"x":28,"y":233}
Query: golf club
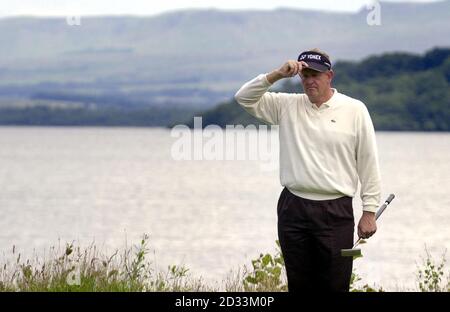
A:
{"x":355,"y":253}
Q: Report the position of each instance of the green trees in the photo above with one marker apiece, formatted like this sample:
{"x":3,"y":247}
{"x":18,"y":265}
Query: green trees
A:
{"x":402,"y":91}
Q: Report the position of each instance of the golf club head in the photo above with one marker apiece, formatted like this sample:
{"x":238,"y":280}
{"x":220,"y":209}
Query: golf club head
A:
{"x":355,"y":253}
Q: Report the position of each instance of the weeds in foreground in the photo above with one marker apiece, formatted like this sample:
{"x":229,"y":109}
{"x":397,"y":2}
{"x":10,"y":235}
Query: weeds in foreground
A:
{"x":73,"y":269}
{"x":267,"y":273}
{"x":431,"y":276}
{"x":355,"y":278}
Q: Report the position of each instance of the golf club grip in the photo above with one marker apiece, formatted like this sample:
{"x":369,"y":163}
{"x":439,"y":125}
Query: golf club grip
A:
{"x":386,"y":203}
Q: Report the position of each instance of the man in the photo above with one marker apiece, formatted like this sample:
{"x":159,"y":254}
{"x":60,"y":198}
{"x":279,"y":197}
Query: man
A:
{"x":327,"y":143}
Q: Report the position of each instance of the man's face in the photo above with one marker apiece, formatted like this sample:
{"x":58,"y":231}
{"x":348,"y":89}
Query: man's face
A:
{"x":316,"y":84}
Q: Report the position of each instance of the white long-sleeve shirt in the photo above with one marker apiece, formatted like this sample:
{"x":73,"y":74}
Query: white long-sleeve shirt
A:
{"x":323,"y":151}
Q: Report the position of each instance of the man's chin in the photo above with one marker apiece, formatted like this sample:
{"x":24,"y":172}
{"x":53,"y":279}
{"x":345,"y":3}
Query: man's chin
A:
{"x":313,"y":96}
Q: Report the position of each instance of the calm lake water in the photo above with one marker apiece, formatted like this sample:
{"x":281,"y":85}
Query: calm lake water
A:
{"x":111,"y":185}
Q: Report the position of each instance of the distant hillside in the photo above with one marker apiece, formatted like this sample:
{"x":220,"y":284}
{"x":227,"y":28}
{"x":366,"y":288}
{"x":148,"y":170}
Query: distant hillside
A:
{"x":169,"y":66}
{"x":193,"y":58}
{"x":402,"y":92}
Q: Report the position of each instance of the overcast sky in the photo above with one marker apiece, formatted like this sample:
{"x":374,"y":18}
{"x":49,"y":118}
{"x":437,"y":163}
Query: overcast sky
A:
{"x":151,"y":7}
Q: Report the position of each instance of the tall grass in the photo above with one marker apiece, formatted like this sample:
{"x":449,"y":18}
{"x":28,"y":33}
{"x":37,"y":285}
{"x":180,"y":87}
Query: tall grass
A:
{"x":432,"y":276}
{"x":73,"y":269}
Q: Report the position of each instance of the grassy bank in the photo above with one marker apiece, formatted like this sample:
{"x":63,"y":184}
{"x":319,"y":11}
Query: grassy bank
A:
{"x":72,"y":269}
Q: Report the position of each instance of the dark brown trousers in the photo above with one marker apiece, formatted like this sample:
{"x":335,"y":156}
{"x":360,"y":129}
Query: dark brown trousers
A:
{"x":312,"y":234}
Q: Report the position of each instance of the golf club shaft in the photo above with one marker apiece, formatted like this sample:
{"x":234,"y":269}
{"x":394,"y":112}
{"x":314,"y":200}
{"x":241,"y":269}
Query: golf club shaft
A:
{"x":379,"y":212}
{"x":357,"y":242}
{"x":383,"y":207}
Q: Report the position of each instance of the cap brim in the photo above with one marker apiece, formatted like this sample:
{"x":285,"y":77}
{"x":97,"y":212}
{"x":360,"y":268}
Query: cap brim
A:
{"x":317,"y":67}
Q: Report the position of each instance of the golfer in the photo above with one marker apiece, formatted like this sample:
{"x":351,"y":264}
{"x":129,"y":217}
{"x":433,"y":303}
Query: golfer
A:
{"x":327,"y":144}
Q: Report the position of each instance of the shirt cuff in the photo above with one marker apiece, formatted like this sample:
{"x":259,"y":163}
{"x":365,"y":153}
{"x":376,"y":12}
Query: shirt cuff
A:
{"x":370,"y":208}
{"x":266,"y":81}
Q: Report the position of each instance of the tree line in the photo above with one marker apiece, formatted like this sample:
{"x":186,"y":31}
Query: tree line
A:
{"x":402,"y":91}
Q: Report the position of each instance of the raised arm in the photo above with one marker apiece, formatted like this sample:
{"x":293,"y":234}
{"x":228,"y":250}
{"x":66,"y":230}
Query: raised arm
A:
{"x":255,"y":99}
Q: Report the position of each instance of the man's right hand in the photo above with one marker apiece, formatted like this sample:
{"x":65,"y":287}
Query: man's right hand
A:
{"x":289,"y":69}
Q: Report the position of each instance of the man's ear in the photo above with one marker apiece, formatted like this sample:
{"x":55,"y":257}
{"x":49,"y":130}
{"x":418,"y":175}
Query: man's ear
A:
{"x":330,"y":74}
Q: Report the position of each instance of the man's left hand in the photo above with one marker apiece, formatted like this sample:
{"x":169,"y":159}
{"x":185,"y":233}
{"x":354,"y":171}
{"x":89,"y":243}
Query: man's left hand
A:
{"x":367,"y":225}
